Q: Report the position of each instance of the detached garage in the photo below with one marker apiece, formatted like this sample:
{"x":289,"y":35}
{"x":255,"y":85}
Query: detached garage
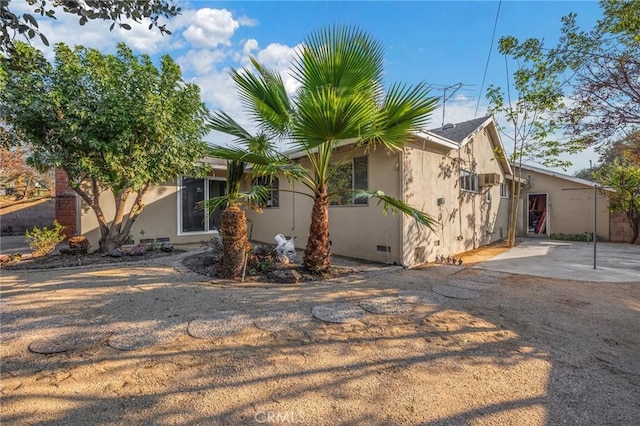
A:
{"x":555,"y":203}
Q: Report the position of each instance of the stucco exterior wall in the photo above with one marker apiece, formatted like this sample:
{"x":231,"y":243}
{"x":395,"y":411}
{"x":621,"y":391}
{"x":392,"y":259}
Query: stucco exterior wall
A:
{"x":355,"y":231}
{"x":466,"y":220}
{"x":571,"y":206}
{"x":159,"y":219}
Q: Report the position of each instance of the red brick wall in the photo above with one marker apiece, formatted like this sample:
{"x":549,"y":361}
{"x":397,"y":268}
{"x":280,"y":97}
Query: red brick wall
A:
{"x":66,"y":204}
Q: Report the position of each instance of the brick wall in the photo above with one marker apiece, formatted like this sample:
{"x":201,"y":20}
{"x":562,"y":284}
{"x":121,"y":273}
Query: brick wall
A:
{"x":619,"y":229}
{"x":66,"y":204}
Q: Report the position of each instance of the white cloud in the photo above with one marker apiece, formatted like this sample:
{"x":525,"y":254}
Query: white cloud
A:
{"x":245,"y":21}
{"x":201,"y":61}
{"x":211,"y":27}
{"x":249,"y":46}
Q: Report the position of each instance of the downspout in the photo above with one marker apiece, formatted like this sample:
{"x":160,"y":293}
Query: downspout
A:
{"x":401,"y":216}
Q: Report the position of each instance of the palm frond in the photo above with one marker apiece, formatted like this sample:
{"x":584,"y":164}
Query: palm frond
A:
{"x":265,"y":97}
{"x":406,"y":109}
{"x":222,"y":122}
{"x":213,"y":203}
{"x":394,"y":205}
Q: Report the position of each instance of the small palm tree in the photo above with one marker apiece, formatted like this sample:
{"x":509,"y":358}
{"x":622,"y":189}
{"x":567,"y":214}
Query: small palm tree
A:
{"x":233,"y":222}
{"x":341,"y":98}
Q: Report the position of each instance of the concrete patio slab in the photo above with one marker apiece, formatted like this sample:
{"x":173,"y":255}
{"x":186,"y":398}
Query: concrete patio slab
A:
{"x":571,"y":260}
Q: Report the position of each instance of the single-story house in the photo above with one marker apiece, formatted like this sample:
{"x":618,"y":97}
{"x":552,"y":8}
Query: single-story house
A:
{"x":451,"y":173}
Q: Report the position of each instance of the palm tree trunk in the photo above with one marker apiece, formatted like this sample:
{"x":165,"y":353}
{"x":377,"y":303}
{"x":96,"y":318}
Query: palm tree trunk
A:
{"x":317,"y":255}
{"x":235,"y":244}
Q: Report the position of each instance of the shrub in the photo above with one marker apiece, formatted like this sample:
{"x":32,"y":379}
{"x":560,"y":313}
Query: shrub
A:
{"x":587,"y":236}
{"x":78,"y":245}
{"x":43,"y":241}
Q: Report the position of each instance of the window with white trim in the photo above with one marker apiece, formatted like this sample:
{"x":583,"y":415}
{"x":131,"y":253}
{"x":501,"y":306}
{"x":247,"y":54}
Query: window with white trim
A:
{"x":505,"y":190}
{"x":273,"y":184}
{"x":192,"y":217}
{"x":468,"y":181}
{"x":352,"y":174}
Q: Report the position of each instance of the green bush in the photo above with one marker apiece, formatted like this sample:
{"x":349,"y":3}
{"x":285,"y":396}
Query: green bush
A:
{"x":43,"y":241}
{"x":586,"y":236}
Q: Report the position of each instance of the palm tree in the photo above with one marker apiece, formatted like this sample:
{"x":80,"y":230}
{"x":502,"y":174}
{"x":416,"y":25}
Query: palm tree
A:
{"x":233,"y":222}
{"x":340,"y":99}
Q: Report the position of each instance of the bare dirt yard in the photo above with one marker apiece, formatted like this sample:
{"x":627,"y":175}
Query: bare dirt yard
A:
{"x":154,"y":343}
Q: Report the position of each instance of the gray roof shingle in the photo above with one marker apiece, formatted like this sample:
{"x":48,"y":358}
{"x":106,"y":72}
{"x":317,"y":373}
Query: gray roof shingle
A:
{"x":459,"y":131}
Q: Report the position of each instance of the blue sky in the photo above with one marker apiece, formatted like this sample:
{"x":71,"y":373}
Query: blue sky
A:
{"x":440,"y":42}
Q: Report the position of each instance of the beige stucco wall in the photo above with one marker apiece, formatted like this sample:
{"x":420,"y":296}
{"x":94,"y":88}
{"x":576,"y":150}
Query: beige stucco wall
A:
{"x":355,"y":231}
{"x":466,"y":220}
{"x":571,"y":206}
{"x":159,"y":219}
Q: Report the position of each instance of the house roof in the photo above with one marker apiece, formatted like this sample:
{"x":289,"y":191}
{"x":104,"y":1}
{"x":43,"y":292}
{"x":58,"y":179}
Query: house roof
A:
{"x":458,"y":132}
{"x":563,"y":176}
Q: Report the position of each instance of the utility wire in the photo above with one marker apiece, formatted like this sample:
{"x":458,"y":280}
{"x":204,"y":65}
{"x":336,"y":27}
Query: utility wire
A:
{"x":486,"y":67}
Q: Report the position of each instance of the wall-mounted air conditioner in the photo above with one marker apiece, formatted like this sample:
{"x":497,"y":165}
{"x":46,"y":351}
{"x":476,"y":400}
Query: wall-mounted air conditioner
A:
{"x":489,"y":179}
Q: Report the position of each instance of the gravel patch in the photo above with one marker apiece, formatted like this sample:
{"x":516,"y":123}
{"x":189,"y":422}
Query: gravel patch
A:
{"x":455,"y":292}
{"x":386,"y":305}
{"x":283,"y":320}
{"x":219,"y":324}
{"x":340,"y":312}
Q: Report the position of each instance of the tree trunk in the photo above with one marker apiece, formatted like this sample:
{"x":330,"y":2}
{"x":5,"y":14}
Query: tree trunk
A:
{"x":235,"y":244}
{"x":634,"y":221}
{"x":317,"y":255}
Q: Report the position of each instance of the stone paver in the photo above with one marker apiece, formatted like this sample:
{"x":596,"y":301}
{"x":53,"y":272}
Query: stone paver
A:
{"x":219,"y":324}
{"x":283,"y":320}
{"x":386,"y":305}
{"x":455,"y":292}
{"x":339,"y":312}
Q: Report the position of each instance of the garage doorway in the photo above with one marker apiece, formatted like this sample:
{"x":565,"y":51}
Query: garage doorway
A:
{"x":538,"y":215}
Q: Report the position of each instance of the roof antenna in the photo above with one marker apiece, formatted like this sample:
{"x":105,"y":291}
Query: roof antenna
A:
{"x":445,"y":98}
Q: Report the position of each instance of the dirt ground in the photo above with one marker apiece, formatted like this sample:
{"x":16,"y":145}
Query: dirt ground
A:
{"x":505,"y":350}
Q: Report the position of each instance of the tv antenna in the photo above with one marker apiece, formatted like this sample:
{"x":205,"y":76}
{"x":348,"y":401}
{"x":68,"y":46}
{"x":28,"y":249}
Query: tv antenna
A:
{"x":454,"y":88}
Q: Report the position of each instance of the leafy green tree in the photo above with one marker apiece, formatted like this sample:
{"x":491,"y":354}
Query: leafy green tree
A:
{"x":26,"y":25}
{"x":623,"y":177}
{"x":619,"y":169}
{"x":598,"y":72}
{"x":113,"y":123}
{"x":528,"y":111}
{"x":341,"y":98}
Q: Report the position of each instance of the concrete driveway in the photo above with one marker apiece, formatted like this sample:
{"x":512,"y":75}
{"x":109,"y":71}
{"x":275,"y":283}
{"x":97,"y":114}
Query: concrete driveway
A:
{"x":10,"y":244}
{"x":615,"y":262}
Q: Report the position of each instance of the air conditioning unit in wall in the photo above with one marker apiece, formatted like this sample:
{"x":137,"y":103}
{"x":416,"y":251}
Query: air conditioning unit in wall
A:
{"x":489,"y":179}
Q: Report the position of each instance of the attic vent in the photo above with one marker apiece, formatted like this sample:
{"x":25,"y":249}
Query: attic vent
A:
{"x":448,"y":126}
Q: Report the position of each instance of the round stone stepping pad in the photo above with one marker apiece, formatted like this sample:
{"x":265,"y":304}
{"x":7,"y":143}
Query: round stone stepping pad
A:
{"x":65,"y":342}
{"x":386,"y":305}
{"x":219,"y":324}
{"x":283,"y":320}
{"x":339,"y":312}
{"x":420,"y":297}
{"x":472,"y":285}
{"x":455,"y":292}
{"x":148,"y":333}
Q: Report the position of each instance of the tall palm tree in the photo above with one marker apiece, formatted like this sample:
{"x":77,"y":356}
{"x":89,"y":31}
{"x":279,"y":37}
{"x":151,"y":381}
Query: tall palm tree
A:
{"x":341,"y":98}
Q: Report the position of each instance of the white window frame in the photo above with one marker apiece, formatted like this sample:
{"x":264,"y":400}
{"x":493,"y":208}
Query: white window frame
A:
{"x":365,"y":202}
{"x":207,"y":231}
{"x":505,"y":190}
{"x":464,"y":175}
{"x":254,"y":182}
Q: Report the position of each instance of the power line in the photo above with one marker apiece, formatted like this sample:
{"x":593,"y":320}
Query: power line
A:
{"x":486,"y":67}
